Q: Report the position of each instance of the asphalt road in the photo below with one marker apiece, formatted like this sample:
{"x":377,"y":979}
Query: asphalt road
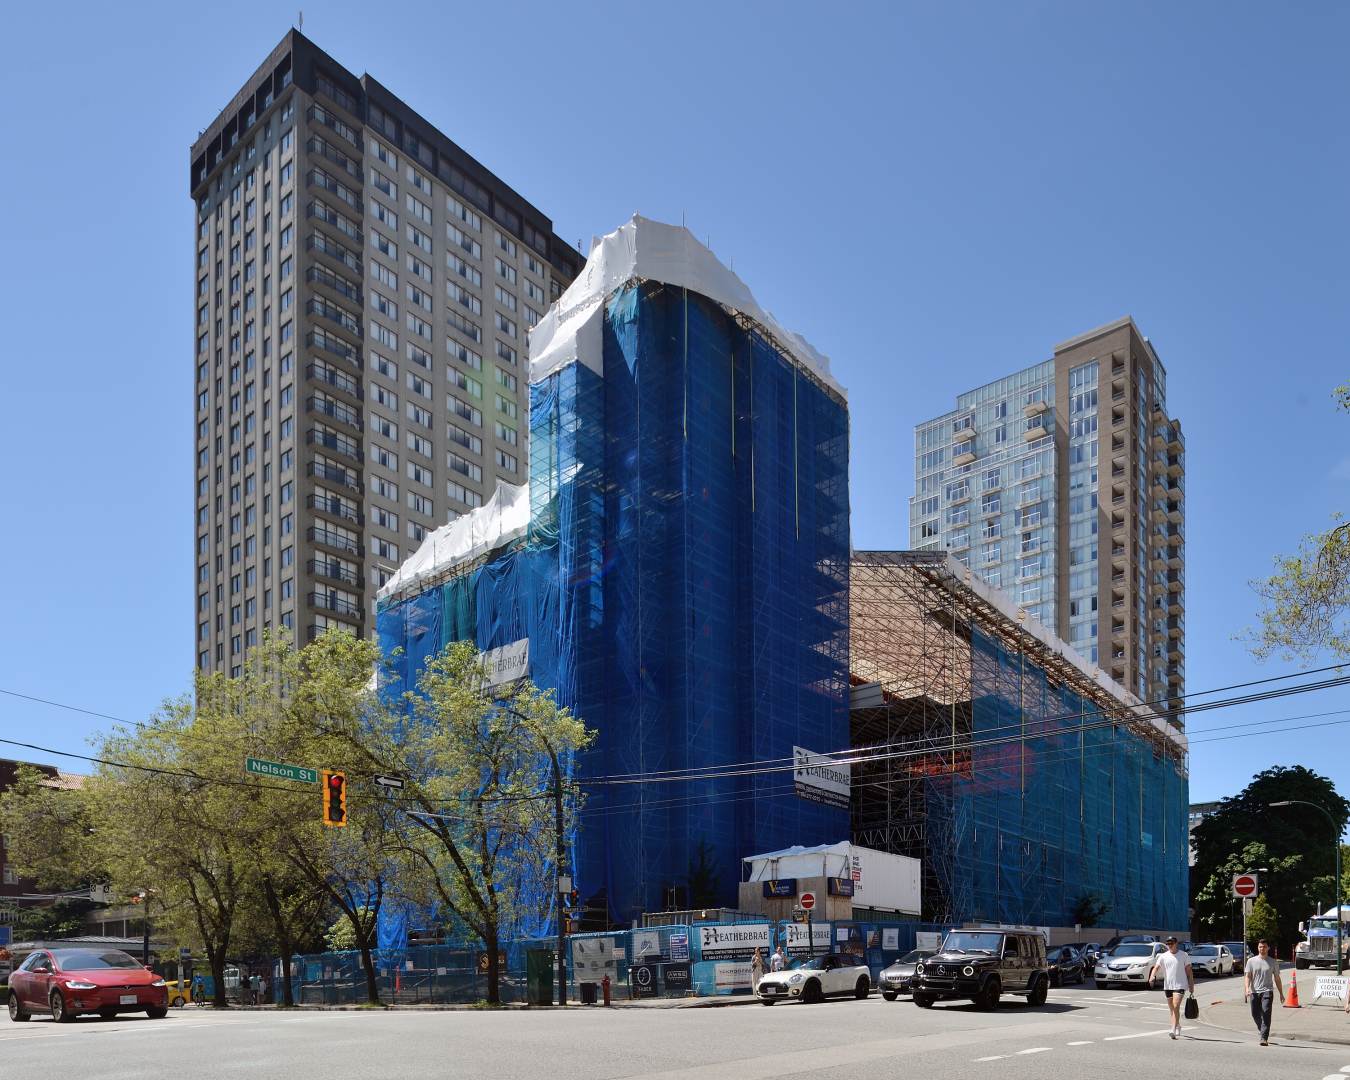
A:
{"x":1078,"y":1033}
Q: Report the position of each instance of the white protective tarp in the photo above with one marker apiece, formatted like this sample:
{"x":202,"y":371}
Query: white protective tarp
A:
{"x":501,"y":519}
{"x":642,"y":248}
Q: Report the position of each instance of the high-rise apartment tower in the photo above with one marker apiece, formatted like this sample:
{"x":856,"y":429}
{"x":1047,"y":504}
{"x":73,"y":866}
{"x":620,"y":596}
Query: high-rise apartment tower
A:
{"x":363,"y":290}
{"x":1064,"y":484}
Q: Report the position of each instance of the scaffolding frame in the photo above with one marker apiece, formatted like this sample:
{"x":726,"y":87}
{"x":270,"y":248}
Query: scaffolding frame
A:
{"x":921,"y":631}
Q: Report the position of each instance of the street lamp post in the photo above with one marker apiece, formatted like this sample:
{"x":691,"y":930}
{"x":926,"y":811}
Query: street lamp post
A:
{"x":1336,"y":835}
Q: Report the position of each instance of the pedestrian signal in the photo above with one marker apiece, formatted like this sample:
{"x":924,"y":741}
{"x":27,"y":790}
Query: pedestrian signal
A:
{"x":335,"y":799}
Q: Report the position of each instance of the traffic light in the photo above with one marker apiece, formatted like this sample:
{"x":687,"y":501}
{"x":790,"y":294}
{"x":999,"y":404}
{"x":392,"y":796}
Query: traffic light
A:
{"x":334,"y":798}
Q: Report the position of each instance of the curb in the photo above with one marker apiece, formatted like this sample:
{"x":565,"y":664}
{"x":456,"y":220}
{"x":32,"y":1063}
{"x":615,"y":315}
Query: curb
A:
{"x":668,"y":1003}
{"x":1334,"y":1038}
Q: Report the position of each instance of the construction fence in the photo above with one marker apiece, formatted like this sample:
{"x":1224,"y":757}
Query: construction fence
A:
{"x":702,"y":959}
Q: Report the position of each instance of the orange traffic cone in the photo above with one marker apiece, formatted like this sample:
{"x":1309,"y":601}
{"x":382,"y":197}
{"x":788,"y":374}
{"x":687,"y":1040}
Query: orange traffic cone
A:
{"x":1291,"y":999}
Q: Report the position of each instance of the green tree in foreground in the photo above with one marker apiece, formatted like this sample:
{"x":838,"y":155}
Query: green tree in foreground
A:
{"x":475,"y":831}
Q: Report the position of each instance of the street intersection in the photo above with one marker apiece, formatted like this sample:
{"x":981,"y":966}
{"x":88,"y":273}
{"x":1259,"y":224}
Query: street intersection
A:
{"x":1079,"y":1032}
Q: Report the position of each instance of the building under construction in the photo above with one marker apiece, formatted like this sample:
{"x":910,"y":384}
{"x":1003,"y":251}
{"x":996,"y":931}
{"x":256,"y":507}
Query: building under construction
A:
{"x":1028,"y":783}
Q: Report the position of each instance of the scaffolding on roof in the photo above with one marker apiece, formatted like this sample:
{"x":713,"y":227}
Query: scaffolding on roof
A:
{"x":1016,"y":771}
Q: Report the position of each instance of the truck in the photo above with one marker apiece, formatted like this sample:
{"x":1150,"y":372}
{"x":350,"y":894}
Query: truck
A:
{"x":1318,"y":947}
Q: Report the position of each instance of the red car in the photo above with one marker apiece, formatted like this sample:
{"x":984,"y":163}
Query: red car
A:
{"x":67,"y":982}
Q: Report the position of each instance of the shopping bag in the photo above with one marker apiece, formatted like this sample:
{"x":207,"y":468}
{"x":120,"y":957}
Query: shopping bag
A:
{"x":1192,"y":1008}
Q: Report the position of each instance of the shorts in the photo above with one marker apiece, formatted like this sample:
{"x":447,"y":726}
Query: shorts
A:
{"x":1169,"y":993}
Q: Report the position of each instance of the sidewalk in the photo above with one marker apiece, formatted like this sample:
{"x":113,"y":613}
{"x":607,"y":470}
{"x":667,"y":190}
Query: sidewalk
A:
{"x":1324,"y":1023}
{"x":712,"y":1002}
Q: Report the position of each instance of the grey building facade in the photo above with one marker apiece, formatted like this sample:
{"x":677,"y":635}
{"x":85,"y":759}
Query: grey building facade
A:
{"x":363,"y":289}
{"x":1064,"y":485}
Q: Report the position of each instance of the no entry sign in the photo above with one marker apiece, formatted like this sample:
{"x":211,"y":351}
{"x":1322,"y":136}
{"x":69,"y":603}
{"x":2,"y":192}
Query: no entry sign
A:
{"x":1244,"y":885}
{"x":808,"y":900}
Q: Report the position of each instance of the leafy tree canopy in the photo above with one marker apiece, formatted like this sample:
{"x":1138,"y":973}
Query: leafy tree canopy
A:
{"x":1293,"y":844}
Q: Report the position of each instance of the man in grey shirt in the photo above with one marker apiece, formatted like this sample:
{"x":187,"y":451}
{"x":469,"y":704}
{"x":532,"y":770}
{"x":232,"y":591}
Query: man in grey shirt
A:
{"x":1260,"y":984}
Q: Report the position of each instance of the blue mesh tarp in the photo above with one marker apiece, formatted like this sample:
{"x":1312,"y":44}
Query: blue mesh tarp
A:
{"x":684,"y":586}
{"x":1057,"y":803}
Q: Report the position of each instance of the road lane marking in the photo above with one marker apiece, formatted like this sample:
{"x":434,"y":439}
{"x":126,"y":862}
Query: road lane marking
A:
{"x":1141,"y":1034}
{"x":992,"y":1057}
{"x":1035,"y":1050}
{"x":1080,"y":1042}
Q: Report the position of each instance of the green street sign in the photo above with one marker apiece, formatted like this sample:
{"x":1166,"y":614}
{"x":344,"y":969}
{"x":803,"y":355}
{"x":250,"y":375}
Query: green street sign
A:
{"x":278,"y":771}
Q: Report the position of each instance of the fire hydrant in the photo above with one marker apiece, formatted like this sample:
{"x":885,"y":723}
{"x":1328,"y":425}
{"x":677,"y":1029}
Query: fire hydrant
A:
{"x":604,"y":989}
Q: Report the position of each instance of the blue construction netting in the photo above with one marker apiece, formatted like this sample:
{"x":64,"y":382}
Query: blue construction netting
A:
{"x":1076,"y":807}
{"x":684,"y":586}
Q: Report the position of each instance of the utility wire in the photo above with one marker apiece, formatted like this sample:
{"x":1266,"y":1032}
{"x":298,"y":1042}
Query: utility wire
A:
{"x":1023,"y":732}
{"x":838,"y":755}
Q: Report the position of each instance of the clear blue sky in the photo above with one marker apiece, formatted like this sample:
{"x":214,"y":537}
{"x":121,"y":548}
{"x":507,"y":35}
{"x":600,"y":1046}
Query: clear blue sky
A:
{"x":934,"y":194}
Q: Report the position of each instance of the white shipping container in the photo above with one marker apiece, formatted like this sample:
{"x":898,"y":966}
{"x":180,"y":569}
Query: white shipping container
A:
{"x":880,"y":880}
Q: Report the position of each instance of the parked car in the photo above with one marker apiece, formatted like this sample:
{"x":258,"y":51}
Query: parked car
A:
{"x":1128,"y":964}
{"x":982,"y":965}
{"x":1212,"y":960}
{"x":68,"y":982}
{"x":829,"y":975}
{"x":1239,"y":952}
{"x":898,"y":978}
{"x":1090,"y":950}
{"x":1066,"y":965}
{"x":1128,"y":939}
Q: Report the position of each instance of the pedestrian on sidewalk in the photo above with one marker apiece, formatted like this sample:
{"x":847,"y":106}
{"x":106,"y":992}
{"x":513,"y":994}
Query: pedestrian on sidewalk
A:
{"x":1178,"y":978}
{"x":778,"y":962}
{"x":756,"y":970}
{"x":1260,"y":984}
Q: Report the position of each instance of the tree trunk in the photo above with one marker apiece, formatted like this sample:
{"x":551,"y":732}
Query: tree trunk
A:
{"x":217,"y":960}
{"x":368,"y":962}
{"x":284,"y":944}
{"x":494,"y":993}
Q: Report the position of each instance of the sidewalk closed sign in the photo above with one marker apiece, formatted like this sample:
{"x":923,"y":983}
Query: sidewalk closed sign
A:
{"x":1332,"y":986}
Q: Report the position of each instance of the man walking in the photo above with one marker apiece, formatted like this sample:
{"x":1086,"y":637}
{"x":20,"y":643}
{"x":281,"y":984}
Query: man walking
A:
{"x":778,"y":961}
{"x":1260,"y":984}
{"x":1175,"y":967}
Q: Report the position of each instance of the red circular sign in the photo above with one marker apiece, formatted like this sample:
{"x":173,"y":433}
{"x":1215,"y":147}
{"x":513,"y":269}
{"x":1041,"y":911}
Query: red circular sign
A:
{"x":1244,"y":885}
{"x":808,"y":900}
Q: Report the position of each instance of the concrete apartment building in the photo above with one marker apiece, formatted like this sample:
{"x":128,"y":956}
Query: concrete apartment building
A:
{"x":363,"y":290}
{"x":1064,"y":485}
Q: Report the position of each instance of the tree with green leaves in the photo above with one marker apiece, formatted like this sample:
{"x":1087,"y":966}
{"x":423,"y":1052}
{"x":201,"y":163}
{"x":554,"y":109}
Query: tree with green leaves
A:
{"x":475,"y":825}
{"x":1306,"y":601}
{"x":1291,"y":845}
{"x":50,"y":832}
{"x":1263,"y":924}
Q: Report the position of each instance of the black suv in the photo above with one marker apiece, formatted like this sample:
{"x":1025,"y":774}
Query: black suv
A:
{"x":982,"y":965}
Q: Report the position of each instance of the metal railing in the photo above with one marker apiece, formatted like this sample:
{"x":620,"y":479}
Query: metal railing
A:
{"x":338,"y":379}
{"x":333,"y":474}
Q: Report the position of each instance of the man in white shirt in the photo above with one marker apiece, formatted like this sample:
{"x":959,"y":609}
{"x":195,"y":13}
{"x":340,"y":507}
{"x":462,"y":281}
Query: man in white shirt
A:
{"x":1175,"y":967}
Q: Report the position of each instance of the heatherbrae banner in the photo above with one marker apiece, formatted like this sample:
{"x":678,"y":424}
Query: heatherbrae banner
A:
{"x":720,"y":941}
{"x":506,"y":664}
{"x":820,"y":778}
